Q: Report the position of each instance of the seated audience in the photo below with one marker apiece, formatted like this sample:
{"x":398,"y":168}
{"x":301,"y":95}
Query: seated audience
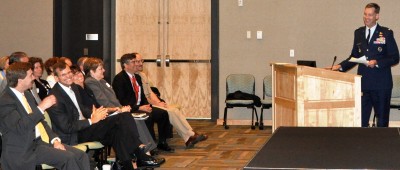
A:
{"x":27,"y":138}
{"x":78,"y":76}
{"x":177,"y":119}
{"x":66,"y":60}
{"x":105,"y":96}
{"x":42,"y":86}
{"x":3,"y":81}
{"x":81,"y":62}
{"x":76,"y":123}
{"x":48,"y":66}
{"x":3,"y":67}
{"x":18,"y":56}
{"x":14,"y":57}
{"x":127,"y":87}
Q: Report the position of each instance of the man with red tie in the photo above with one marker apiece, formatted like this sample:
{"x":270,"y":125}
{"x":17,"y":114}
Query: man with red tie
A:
{"x":129,"y":91}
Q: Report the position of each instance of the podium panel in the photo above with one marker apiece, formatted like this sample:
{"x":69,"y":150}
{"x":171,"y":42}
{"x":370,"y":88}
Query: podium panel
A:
{"x":307,"y":96}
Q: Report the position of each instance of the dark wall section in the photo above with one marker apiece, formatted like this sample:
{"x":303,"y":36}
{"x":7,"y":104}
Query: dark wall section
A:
{"x":73,"y":19}
{"x":214,"y":59}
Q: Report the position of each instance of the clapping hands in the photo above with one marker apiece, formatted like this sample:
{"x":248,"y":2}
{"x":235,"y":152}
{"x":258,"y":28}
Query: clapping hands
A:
{"x":98,"y":114}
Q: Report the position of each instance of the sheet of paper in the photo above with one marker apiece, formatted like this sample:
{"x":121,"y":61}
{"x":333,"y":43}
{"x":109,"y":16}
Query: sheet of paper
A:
{"x":140,"y":116}
{"x":361,"y":60}
{"x":113,"y":114}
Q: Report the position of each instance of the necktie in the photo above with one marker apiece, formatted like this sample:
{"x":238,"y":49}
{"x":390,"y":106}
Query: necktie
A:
{"x":33,"y":90}
{"x":369,"y":32}
{"x":73,"y":98}
{"x":135,"y":87}
{"x":43,"y":134}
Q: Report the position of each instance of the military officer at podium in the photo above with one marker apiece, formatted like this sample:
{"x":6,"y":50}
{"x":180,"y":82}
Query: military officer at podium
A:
{"x":377,"y":44}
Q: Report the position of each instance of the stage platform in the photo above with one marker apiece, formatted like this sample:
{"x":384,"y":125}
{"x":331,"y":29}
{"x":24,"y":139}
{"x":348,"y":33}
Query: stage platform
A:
{"x":329,"y":148}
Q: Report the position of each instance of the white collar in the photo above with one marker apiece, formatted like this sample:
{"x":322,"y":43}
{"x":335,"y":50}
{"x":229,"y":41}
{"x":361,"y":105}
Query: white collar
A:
{"x":65,"y":88}
{"x":373,"y":28}
{"x":17,"y":93}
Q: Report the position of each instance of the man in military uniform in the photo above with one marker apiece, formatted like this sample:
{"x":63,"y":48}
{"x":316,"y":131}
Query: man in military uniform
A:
{"x":378,"y":46}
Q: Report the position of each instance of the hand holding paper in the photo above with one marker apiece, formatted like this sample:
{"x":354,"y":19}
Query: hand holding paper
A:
{"x":361,"y":60}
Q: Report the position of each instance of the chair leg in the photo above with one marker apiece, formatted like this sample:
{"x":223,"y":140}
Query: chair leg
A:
{"x":225,"y":124}
{"x":252,"y":119}
{"x":255,"y":110}
{"x":261,"y":127}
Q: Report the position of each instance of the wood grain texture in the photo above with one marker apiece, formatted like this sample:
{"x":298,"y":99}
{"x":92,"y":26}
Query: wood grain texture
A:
{"x":305,"y":96}
{"x":180,"y":29}
{"x":224,"y":149}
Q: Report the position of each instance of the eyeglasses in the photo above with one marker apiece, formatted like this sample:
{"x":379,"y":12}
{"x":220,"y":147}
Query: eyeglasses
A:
{"x":135,"y":61}
{"x":138,"y":61}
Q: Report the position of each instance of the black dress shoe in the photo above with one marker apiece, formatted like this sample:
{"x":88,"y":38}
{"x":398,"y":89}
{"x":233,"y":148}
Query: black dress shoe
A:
{"x":164,"y":147}
{"x":154,"y":152}
{"x":151,"y":162}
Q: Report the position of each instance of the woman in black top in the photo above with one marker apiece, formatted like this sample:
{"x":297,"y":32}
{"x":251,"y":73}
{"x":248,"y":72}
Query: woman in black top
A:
{"x":42,"y":86}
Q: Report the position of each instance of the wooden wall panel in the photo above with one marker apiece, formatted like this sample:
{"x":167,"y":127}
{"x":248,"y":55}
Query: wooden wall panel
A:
{"x":189,"y":33}
{"x":137,"y":28}
{"x":184,"y":32}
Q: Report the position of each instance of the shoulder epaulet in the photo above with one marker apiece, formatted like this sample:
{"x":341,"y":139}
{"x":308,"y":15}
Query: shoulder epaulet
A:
{"x":361,"y":28}
{"x":385,"y":28}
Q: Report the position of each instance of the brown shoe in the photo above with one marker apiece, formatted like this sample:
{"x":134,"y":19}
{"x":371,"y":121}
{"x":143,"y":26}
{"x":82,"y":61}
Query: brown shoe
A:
{"x":203,"y":139}
{"x":195,"y":139}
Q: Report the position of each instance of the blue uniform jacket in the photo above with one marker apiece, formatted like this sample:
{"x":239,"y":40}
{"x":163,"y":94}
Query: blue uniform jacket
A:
{"x":382,"y":47}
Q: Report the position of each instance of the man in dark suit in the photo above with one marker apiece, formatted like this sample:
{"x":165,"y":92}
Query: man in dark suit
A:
{"x":27,"y":139}
{"x":379,"y":47}
{"x":129,"y":91}
{"x":76,"y":123}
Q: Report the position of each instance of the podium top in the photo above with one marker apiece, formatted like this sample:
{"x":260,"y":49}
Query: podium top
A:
{"x":318,"y":72}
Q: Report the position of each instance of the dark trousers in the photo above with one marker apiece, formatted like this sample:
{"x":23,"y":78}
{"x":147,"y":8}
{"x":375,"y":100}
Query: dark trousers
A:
{"x":119,"y":131}
{"x":71,"y":158}
{"x":380,"y":101}
{"x":1,"y":145}
{"x":160,"y":117}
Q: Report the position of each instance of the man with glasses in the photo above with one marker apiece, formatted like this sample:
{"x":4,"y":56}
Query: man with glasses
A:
{"x":176,"y":117}
{"x":129,"y":91}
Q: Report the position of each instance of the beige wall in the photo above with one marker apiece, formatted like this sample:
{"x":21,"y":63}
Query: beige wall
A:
{"x":26,"y":25}
{"x":315,"y":29}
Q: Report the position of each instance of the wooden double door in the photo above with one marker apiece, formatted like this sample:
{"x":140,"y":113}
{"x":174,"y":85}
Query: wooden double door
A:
{"x":174,"y":38}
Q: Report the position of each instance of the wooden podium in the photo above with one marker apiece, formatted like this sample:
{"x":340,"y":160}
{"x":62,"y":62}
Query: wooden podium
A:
{"x":314,"y":97}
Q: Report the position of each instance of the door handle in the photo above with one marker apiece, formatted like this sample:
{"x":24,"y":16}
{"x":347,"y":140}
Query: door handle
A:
{"x":158,"y":60}
{"x":167,"y":60}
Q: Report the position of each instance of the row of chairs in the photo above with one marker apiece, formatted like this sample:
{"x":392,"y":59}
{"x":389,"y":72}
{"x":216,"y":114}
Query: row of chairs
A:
{"x":246,"y":84}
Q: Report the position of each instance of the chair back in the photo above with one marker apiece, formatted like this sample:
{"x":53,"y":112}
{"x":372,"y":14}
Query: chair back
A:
{"x":267,"y":84}
{"x":240,"y":82}
{"x":396,"y":86}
